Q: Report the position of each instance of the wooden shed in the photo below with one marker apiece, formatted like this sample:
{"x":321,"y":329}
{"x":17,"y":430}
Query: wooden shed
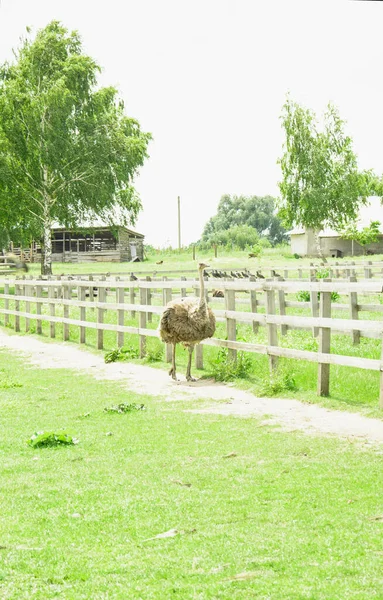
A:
{"x":97,"y":244}
{"x":91,"y":244}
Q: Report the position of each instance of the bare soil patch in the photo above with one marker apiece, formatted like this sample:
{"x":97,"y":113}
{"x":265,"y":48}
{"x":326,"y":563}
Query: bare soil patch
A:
{"x":291,"y":415}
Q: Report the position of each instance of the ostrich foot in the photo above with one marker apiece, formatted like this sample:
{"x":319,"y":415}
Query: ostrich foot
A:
{"x":172,"y":373}
{"x":190,"y":378}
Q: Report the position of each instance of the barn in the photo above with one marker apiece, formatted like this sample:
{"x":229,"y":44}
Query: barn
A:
{"x":99,"y":243}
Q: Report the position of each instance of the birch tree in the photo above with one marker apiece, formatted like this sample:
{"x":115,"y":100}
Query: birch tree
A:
{"x":321,"y":185}
{"x":67,"y":150}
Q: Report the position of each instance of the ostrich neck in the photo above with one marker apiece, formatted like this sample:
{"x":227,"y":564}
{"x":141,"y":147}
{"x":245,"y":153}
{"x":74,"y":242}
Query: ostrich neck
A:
{"x":202,"y":299}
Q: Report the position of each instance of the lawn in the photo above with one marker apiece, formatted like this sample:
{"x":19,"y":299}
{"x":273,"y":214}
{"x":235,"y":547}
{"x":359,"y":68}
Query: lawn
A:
{"x":259,"y":513}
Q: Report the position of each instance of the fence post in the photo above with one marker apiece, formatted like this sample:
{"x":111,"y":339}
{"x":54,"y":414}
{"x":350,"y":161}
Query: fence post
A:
{"x":6,"y":304}
{"x":254,"y":305}
{"x":299,"y":273}
{"x":353,"y":299}
{"x":167,"y":296}
{"x":337,"y":270}
{"x":142,"y":321}
{"x":286,"y":274}
{"x":100,"y":318}
{"x":272,"y":331}
{"x":353,"y":272}
{"x":38,"y":306}
{"x":120,"y":297}
{"x":367,"y":270}
{"x":282,"y":306}
{"x":17,"y":306}
{"x":183,"y":290}
{"x":314,"y":307}
{"x":131,"y":297}
{"x":231,"y":323}
{"x":81,"y":296}
{"x":27,"y":293}
{"x":323,"y":388}
{"x":52,"y":311}
{"x":66,"y":293}
{"x":149,"y":300}
{"x":91,"y":290}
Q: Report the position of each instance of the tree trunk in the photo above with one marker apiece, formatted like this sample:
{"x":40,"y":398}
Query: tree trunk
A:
{"x":319,"y":249}
{"x":46,"y":263}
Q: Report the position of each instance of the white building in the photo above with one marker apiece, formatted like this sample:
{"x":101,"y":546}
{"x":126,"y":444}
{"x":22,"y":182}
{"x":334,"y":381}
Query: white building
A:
{"x":303,"y":242}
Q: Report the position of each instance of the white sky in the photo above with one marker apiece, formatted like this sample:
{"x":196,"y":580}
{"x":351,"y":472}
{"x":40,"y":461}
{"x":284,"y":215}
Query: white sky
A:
{"x":208,"y":78}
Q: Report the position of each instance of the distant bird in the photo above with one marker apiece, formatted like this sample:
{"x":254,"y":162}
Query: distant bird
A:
{"x":252,"y":255}
{"x":159,"y":262}
{"x":239,"y":274}
{"x":187,"y":321}
{"x":206,"y":274}
{"x":218,"y":294}
{"x":233,"y":274}
{"x":259,"y":274}
{"x":215,"y":273}
{"x":133,"y":277}
{"x":245,"y":274}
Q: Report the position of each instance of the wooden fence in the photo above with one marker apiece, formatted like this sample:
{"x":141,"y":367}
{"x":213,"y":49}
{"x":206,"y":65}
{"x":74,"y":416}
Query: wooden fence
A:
{"x":267,"y":306}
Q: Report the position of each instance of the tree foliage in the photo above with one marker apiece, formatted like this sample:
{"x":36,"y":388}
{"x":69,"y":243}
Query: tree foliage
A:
{"x":321,"y":184}
{"x":67,"y":151}
{"x":364,"y":236}
{"x":256,"y":212}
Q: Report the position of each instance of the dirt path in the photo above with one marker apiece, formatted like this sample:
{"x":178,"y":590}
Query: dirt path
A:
{"x":289,"y":414}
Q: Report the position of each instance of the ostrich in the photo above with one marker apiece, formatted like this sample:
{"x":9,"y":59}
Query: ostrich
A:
{"x":187,"y":321}
{"x":14,"y":261}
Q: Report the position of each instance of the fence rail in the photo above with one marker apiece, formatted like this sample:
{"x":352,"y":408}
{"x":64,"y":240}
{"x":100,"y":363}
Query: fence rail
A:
{"x":38,"y":300}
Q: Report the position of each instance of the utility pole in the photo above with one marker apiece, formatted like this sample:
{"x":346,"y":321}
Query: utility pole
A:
{"x":179,"y":223}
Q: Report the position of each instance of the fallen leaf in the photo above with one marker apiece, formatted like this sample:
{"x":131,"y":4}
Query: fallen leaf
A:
{"x":178,"y":482}
{"x":166,"y":534}
{"x":243,"y":576}
{"x":231,"y":455}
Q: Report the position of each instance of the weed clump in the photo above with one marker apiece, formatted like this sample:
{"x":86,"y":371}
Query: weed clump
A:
{"x":124,"y":408}
{"x":49,"y":439}
{"x":280,"y":381}
{"x":121,"y":354}
{"x":225,"y":369}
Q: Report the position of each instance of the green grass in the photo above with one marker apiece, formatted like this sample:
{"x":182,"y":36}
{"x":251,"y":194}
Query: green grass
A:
{"x":350,"y":388}
{"x":178,"y":260}
{"x":284,"y":516}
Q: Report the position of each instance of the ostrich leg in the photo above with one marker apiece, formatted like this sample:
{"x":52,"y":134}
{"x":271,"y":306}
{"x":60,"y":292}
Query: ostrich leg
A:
{"x":188,"y":368}
{"x":172,"y":371}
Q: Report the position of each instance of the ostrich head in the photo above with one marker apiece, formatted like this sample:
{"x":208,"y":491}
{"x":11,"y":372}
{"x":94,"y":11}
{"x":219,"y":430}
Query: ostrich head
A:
{"x":202,"y":266}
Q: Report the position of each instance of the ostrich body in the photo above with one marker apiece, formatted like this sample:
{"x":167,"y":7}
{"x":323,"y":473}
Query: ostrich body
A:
{"x":187,"y":321}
